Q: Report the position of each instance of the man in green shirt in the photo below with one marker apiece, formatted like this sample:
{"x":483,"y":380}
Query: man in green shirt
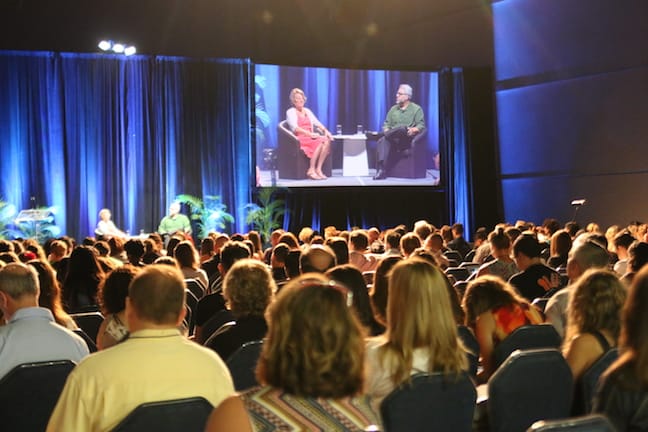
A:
{"x":404,"y":123}
{"x":175,"y":221}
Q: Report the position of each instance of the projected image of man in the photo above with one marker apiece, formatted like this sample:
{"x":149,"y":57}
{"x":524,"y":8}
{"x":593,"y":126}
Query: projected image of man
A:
{"x":403,"y":124}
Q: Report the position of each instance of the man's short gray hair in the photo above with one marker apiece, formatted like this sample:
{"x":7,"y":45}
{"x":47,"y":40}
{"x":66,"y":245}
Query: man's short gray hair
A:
{"x":17,"y":280}
{"x":407,"y":88}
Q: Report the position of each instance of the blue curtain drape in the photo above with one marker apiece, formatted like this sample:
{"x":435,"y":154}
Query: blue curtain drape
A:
{"x":453,"y":127}
{"x":85,"y":131}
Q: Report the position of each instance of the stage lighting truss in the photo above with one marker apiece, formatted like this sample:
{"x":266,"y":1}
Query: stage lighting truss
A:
{"x":117,"y":47}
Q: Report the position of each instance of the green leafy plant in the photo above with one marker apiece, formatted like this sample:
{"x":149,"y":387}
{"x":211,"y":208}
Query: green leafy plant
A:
{"x":267,"y":214}
{"x":210,"y":214}
{"x":7,"y":214}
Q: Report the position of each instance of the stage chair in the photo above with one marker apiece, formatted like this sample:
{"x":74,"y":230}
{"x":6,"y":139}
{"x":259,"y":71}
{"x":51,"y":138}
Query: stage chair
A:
{"x":531,"y":385}
{"x":410,"y":162}
{"x":430,"y":402}
{"x":29,"y":392}
{"x":187,"y":415}
{"x":89,"y":322}
{"x":527,"y":337}
{"x":242,"y":365}
{"x":587,"y":385}
{"x":588,"y":423}
{"x":292,"y":161}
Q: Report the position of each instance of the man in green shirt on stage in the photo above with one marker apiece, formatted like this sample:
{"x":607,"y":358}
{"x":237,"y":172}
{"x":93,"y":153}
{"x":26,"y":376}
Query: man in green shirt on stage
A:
{"x":403,"y":124}
{"x":175,"y":221}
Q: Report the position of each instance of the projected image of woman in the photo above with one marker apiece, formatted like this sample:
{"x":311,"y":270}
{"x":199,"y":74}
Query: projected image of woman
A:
{"x":314,"y":138}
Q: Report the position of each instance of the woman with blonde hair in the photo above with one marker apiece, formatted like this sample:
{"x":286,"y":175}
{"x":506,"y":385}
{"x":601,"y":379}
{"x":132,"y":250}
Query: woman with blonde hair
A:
{"x":493,"y":310}
{"x":623,"y":391}
{"x":311,"y":367}
{"x":421,"y":333}
{"x":593,"y":318}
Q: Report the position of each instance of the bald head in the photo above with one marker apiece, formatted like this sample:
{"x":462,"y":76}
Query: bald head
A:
{"x":157,"y":294}
{"x":317,"y":258}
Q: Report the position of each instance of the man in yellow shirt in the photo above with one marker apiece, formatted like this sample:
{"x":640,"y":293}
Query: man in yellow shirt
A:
{"x":155,"y":363}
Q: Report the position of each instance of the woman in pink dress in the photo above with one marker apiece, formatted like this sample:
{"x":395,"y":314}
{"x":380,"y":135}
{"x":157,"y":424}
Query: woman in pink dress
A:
{"x":314,"y":138}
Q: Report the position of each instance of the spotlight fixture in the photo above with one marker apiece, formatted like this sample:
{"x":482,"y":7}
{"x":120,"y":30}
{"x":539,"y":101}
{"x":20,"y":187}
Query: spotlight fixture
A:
{"x":130,"y":50}
{"x":105,"y":45}
{"x":118,"y":48}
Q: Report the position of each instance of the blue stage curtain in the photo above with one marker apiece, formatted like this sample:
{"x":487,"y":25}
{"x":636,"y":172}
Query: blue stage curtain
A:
{"x":455,"y":149}
{"x":85,"y":131}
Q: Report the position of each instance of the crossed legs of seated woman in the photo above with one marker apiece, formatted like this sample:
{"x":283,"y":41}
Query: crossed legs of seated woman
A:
{"x":317,"y":160}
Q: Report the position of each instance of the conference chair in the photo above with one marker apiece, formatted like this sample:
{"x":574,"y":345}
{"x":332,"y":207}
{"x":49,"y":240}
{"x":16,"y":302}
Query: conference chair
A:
{"x":29,"y":392}
{"x":187,"y":415}
{"x":587,"y":385}
{"x":459,"y":273}
{"x":460,"y":287}
{"x":292,"y":161}
{"x":472,"y":348}
{"x":540,"y":303}
{"x":191,"y":301}
{"x":430,"y":402}
{"x":214,"y":323}
{"x":242,"y":365}
{"x":531,"y":385}
{"x":588,"y":423}
{"x":453,"y":255}
{"x":196,"y":287}
{"x":527,"y":337}
{"x":92,"y":347}
{"x":89,"y":322}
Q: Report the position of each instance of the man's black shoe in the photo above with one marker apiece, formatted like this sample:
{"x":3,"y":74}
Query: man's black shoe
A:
{"x":380,"y":174}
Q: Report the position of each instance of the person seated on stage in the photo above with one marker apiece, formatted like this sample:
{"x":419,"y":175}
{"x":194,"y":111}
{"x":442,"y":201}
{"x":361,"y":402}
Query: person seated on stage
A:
{"x":404,"y":122}
{"x":174,"y":222}
{"x":106,"y":227}
{"x":314,"y":138}
{"x":155,"y":363}
{"x":31,"y":333}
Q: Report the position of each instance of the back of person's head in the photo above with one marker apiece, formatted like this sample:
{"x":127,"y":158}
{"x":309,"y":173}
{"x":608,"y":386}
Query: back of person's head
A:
{"x":561,"y":243}
{"x":102,"y":248}
{"x":311,"y":319}
{"x":134,"y":249}
{"x":513,"y":233}
{"x":422,"y":229}
{"x":9,"y":257}
{"x":116,"y":246}
{"x":58,"y":248}
{"x":157,"y":239}
{"x":572,"y":228}
{"x":340,"y":248}
{"x":392,"y":239}
{"x":587,"y":253}
{"x":279,"y":254}
{"x":419,"y":314}
{"x":207,"y":246}
{"x":157,"y":294}
{"x":358,"y":240}
{"x":305,"y":235}
{"x":551,"y":225}
{"x":231,"y":252}
{"x":166,"y":260}
{"x":290,"y":239}
{"x":623,"y":239}
{"x":528,"y":246}
{"x":113,"y":290}
{"x":409,"y":243}
{"x":255,"y":238}
{"x":349,"y":276}
{"x":634,"y":327}
{"x":292,"y":264}
{"x":83,"y":261}
{"x":379,"y":293}
{"x":248,"y":288}
{"x":446,"y":233}
{"x":6,"y":246}
{"x":458,"y":229}
{"x":317,"y":258}
{"x":499,"y":240}
{"x":19,"y":280}
{"x":481,"y":234}
{"x":185,"y":255}
{"x":487,"y":293}
{"x":595,"y":303}
{"x":89,"y":241}
{"x":637,"y":256}
{"x":434,"y":242}
{"x":172,"y":243}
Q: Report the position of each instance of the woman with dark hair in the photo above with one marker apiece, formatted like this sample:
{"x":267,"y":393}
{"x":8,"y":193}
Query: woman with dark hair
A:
{"x":255,"y":238}
{"x":112,"y":298}
{"x":84,"y":274}
{"x":502,"y":265}
{"x":311,"y":367}
{"x":623,"y":391}
{"x":421,"y":333}
{"x":349,"y":276}
{"x":188,"y":262}
{"x":50,"y":293}
{"x":378,"y":293}
{"x":493,"y":310}
{"x":561,"y":243}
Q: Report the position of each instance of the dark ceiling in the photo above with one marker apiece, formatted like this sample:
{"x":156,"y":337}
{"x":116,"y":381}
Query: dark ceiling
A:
{"x":355,"y":33}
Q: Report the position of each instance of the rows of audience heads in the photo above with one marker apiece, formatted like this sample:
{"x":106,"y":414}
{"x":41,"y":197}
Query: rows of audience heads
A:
{"x":350,"y":311}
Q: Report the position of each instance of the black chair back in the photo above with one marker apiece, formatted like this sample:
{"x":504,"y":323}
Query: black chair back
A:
{"x":89,"y":322}
{"x":586,"y":386}
{"x":588,"y":423}
{"x":242,"y":365}
{"x":29,"y":392}
{"x":430,"y":402}
{"x":191,"y":301}
{"x":196,"y":288}
{"x":92,"y":347}
{"x":459,"y":273}
{"x":453,"y":255}
{"x":531,"y":385}
{"x":527,"y":337}
{"x":185,"y":415}
{"x":540,"y":303}
{"x":472,"y":348}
